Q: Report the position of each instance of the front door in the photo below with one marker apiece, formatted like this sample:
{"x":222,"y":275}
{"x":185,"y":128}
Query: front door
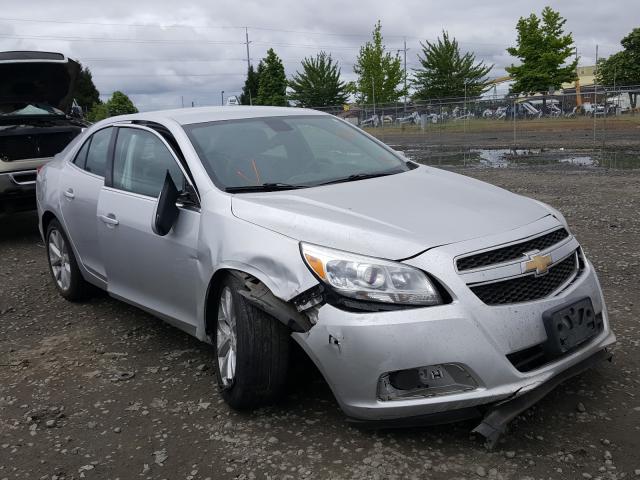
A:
{"x":154,"y":272}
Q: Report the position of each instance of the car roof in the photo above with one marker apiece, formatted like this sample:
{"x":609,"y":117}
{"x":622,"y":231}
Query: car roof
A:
{"x":186,"y":116}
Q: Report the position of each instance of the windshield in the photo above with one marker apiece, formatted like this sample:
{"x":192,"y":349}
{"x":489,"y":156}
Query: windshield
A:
{"x":292,"y":151}
{"x":28,"y":109}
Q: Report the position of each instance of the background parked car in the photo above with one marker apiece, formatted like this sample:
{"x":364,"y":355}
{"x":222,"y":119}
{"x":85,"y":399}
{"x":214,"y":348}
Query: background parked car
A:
{"x":35,"y":120}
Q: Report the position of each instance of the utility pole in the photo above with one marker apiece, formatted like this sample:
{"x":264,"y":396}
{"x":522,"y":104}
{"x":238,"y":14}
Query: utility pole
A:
{"x":222,"y":97}
{"x":404,"y":50}
{"x":246,"y":35}
{"x":578,"y":96}
{"x":465,"y":106}
{"x":373,"y":88}
{"x":594,"y":104}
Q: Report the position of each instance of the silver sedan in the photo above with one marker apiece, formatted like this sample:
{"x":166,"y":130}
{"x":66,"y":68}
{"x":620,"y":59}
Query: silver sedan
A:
{"x":420,"y":294}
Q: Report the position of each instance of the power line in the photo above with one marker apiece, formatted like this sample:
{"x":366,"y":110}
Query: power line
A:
{"x":159,"y":60}
{"x":165,"y":42}
{"x":119,"y":40}
{"x":160,"y":25}
{"x":217,"y":74}
{"x":118,"y":24}
{"x":238,"y":27}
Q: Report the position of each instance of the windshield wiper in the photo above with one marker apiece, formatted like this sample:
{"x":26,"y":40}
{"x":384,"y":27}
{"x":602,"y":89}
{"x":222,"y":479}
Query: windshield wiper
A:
{"x":264,"y":187}
{"x":360,"y":176}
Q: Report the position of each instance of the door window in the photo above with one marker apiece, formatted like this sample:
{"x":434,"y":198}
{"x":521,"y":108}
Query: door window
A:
{"x":141,"y":163}
{"x":98,"y":150}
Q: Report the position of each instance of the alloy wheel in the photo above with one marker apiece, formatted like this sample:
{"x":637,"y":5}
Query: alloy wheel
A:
{"x":59,"y":259}
{"x":227,"y":338}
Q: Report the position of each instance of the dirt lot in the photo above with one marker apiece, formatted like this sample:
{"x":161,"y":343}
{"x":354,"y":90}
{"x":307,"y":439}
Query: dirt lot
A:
{"x":102,"y":390}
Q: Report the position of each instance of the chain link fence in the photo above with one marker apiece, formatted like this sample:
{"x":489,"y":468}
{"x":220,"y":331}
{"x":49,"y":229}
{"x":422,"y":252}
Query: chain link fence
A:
{"x":596,"y":126}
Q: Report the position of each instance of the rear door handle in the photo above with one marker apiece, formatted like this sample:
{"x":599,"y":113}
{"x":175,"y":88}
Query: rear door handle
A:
{"x":69,"y":193}
{"x":109,"y":219}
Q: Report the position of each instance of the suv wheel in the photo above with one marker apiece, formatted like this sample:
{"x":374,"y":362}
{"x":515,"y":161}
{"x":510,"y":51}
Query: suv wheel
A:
{"x":63,"y":265}
{"x":252,"y":350}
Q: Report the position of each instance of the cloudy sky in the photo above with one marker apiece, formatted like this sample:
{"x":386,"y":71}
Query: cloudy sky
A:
{"x":163,"y":53}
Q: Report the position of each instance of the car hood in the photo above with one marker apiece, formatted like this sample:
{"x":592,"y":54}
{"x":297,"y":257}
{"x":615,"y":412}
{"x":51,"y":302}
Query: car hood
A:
{"x":38,"y":78}
{"x":393,"y":217}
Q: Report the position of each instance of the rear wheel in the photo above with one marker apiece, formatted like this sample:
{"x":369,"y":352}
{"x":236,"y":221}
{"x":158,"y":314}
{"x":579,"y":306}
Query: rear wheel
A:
{"x":252,"y":350}
{"x":63,"y":265}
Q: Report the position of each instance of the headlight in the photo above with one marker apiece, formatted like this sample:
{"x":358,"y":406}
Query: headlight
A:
{"x":370,"y":279}
{"x":556,"y":213}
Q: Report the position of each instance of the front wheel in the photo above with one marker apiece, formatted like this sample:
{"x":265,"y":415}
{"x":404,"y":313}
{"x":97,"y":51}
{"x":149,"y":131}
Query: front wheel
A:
{"x":252,"y":350}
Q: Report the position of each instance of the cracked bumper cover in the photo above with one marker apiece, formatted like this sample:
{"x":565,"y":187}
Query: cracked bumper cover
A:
{"x":353,"y":350}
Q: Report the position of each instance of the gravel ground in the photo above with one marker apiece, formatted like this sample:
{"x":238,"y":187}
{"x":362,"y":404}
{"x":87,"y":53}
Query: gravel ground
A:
{"x":102,"y":390}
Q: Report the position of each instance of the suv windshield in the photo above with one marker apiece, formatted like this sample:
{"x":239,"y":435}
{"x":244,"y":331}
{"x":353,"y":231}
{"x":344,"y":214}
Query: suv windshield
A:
{"x":11,"y":109}
{"x":288,"y":152}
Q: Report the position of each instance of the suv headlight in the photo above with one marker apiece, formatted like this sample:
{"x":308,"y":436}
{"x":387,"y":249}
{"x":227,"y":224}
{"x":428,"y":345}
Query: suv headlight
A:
{"x":370,"y":279}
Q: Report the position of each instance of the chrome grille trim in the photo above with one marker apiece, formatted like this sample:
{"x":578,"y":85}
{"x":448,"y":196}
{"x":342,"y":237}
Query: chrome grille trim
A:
{"x":530,"y":287}
{"x":514,"y":252}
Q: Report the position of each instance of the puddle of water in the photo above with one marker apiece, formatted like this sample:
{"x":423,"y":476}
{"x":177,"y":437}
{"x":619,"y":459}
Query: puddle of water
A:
{"x":507,"y":158}
{"x":582,"y":161}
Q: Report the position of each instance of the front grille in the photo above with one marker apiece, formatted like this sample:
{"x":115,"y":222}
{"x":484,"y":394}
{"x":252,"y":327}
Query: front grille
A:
{"x":535,"y":357}
{"x":529,"y":358}
{"x":529,"y":287}
{"x":512,"y":252}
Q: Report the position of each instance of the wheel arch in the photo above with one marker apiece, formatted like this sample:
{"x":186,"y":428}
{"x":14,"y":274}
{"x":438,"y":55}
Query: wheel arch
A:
{"x":259,"y":292}
{"x":45,"y":220}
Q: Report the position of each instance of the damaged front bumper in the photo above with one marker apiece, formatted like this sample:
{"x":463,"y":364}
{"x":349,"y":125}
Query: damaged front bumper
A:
{"x":465,"y":344}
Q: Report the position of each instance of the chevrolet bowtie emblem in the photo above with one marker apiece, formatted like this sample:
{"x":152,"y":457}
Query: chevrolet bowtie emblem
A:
{"x":539,"y":263}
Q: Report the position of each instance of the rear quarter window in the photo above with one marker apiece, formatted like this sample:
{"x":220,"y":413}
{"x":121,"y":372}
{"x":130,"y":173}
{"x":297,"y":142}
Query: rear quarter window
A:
{"x":96,"y":161}
{"x":81,"y":156}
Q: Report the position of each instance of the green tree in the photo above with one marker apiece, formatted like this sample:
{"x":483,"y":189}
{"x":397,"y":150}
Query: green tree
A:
{"x":118,"y":104}
{"x":380,"y":74}
{"x":543,"y":50}
{"x":98,"y":112}
{"x":623,"y":68}
{"x":445,"y":72}
{"x":250,"y":90}
{"x":85,"y":91}
{"x":272,"y":84}
{"x":319,"y":84}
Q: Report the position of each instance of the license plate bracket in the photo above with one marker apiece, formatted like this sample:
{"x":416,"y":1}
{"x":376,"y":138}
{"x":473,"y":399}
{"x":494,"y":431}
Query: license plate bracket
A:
{"x":570,"y":325}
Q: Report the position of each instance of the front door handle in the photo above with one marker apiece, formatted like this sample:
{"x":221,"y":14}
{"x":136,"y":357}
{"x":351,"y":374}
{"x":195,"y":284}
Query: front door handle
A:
{"x":109,"y":219}
{"x":69,"y":193}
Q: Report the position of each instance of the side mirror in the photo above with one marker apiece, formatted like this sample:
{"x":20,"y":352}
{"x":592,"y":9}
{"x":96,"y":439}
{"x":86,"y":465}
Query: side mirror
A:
{"x":166,"y":212}
{"x":188,"y":197}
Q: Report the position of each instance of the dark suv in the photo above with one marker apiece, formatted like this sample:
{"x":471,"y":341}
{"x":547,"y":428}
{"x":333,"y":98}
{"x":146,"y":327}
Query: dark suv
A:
{"x":36,"y":122}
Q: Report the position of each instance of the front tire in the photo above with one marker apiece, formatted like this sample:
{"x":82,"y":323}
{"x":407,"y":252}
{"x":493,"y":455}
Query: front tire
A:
{"x":63,"y":265}
{"x":252,"y":350}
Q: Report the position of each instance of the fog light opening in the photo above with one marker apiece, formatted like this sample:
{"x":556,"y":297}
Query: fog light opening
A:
{"x":429,"y":381}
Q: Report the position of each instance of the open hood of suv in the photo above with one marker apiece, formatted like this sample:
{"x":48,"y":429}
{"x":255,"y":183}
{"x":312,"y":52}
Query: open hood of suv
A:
{"x":392,"y":217}
{"x":36,"y":78}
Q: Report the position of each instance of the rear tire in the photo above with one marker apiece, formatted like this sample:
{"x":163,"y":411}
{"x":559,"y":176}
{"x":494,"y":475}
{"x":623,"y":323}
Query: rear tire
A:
{"x":255,"y":372}
{"x":63,"y":265}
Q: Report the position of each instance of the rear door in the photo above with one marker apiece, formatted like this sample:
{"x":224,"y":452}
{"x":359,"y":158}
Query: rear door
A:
{"x":154,"y":272}
{"x":80,"y":185}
